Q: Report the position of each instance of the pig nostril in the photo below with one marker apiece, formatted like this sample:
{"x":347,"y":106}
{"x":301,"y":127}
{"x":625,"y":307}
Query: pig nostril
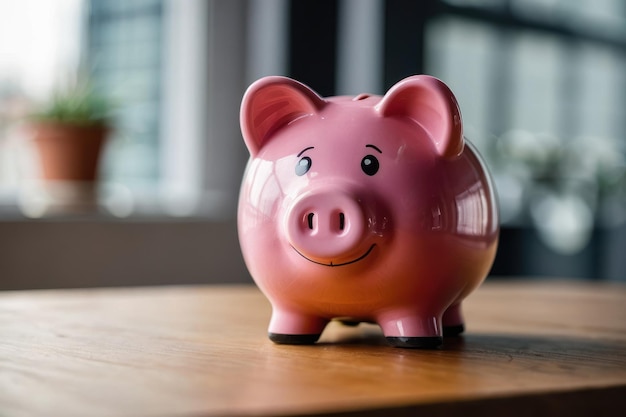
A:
{"x":310,"y":220}
{"x":342,"y":221}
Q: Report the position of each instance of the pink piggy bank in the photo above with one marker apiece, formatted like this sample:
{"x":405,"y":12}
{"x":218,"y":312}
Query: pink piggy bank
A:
{"x":363,"y":208}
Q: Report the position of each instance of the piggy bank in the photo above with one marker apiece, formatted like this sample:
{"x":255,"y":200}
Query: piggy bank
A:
{"x":363,"y":209}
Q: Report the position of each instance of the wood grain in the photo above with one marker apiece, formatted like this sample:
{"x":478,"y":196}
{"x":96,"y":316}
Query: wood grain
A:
{"x":531,"y":348}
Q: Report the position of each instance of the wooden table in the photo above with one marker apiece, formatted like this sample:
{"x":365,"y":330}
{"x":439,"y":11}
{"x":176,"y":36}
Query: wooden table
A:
{"x":531,"y":348}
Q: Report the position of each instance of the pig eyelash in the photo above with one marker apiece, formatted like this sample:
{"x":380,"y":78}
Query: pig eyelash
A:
{"x":369,"y":163}
{"x":304,"y":150}
{"x":373,"y":147}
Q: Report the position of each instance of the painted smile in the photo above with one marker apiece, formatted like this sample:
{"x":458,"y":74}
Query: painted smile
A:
{"x":340,"y":264}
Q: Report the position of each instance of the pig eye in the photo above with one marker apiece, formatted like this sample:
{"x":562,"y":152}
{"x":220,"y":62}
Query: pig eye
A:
{"x":303,"y":166}
{"x":369,"y":165}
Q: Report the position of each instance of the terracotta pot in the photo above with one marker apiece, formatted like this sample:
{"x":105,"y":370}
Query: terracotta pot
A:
{"x":69,"y":152}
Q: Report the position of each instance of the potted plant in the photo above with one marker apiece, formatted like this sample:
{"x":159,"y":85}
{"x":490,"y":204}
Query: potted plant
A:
{"x":69,"y":134}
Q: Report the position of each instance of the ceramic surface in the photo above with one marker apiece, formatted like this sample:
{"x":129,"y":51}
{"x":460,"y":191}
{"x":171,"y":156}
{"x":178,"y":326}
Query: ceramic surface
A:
{"x":364,"y":208}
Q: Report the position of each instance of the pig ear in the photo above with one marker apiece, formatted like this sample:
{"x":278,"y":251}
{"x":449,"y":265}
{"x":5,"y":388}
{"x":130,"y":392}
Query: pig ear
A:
{"x":273,"y":102}
{"x":431,"y":104}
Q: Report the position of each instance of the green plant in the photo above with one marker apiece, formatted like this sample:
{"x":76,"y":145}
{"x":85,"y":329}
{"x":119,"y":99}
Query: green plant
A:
{"x":76,"y":104}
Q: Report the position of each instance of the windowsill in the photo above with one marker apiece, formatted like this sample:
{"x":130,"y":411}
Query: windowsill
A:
{"x":112,"y":202}
{"x":13,"y":214}
{"x":98,"y":249}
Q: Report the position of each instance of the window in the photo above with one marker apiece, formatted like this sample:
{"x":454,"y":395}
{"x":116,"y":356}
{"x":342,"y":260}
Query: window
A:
{"x":124,"y":54}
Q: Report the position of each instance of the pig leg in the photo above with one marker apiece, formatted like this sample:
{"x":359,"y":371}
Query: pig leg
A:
{"x":295,"y":328}
{"x":412,"y":330}
{"x":453,"y":323}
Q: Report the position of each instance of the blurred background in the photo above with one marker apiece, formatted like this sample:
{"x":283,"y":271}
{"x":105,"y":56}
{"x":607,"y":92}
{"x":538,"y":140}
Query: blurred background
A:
{"x":541,"y":85}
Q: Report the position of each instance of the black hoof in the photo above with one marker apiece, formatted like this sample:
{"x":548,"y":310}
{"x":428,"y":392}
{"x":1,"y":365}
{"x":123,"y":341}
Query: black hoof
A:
{"x":293,"y":339}
{"x":350,"y":323}
{"x":415,"y":342}
{"x":452,"y":331}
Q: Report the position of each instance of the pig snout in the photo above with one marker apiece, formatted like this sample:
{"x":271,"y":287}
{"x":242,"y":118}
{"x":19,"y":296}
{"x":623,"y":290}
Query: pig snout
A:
{"x":326,"y":227}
